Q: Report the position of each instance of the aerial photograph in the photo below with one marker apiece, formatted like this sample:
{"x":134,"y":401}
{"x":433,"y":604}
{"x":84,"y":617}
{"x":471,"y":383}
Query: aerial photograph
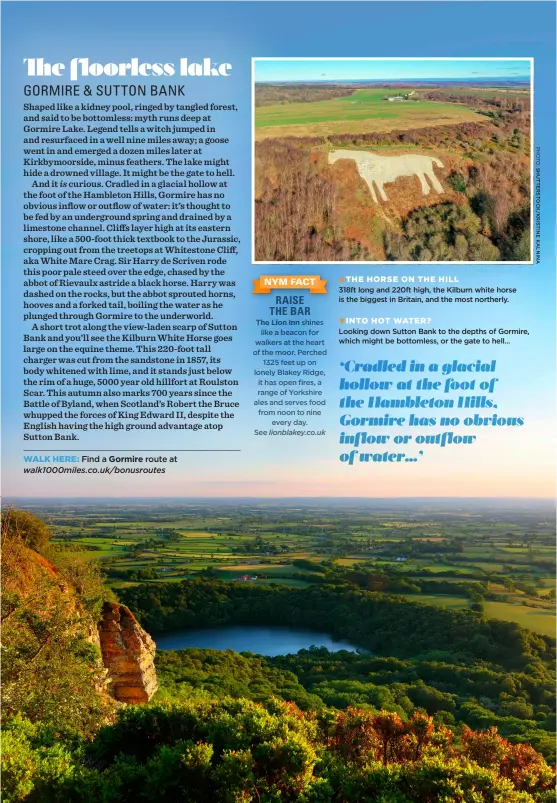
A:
{"x":311,"y":650}
{"x":408,"y":160}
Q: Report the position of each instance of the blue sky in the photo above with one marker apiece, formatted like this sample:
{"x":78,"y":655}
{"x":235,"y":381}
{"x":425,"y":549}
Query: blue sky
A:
{"x":503,"y":463}
{"x":390,"y":70}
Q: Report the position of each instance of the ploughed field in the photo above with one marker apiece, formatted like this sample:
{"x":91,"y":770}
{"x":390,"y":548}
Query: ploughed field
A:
{"x":502,"y":559}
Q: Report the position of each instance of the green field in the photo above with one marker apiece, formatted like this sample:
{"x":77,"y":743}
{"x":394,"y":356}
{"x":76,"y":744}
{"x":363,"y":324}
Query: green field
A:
{"x":444,"y":601}
{"x":504,"y":559}
{"x":540,"y":621}
{"x":362,"y":105}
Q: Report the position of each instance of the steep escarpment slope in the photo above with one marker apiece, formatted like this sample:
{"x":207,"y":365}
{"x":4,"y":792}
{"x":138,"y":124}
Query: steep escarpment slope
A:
{"x":69,"y":653}
{"x":470,"y":204}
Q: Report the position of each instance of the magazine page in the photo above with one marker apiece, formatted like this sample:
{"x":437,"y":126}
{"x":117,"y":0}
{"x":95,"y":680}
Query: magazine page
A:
{"x":278,"y":401}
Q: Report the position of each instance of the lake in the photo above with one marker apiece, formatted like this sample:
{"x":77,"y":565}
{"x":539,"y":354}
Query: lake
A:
{"x":262,"y":640}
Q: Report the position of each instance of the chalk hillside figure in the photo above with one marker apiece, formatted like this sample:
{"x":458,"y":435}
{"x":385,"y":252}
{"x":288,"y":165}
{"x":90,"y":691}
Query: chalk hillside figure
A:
{"x":380,"y":170}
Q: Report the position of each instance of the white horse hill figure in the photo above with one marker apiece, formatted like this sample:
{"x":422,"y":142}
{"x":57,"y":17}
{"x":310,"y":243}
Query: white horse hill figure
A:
{"x":384,"y":169}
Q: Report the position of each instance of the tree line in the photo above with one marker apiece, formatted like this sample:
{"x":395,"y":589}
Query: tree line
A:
{"x":275,"y":94}
{"x":388,"y":625}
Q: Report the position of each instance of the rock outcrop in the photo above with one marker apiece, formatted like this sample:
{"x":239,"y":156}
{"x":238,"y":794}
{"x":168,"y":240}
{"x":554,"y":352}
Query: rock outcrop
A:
{"x":124,"y":670}
{"x":128,"y":654}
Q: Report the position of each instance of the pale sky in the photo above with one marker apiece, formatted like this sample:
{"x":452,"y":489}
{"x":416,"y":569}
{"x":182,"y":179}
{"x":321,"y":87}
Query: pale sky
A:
{"x":391,"y":70}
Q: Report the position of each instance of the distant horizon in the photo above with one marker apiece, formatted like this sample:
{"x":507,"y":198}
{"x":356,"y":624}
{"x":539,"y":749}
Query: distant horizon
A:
{"x":493,"y":82}
{"x":393,"y":70}
{"x":276,"y":499}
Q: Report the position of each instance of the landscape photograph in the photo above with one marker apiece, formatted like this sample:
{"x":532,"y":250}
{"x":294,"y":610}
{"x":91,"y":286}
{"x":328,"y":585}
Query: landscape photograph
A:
{"x":250,"y":649}
{"x":408,"y":160}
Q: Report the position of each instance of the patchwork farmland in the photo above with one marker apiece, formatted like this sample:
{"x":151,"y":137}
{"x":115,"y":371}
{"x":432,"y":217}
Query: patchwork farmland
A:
{"x":500,"y":560}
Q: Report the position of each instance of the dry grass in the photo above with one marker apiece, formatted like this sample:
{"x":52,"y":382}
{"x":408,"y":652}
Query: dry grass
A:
{"x":419,"y":119}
